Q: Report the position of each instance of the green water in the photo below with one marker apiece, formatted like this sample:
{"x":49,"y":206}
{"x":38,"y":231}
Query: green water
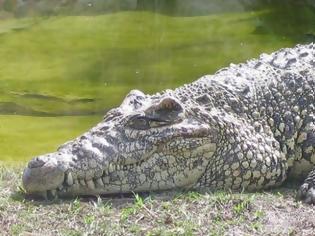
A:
{"x":59,"y":74}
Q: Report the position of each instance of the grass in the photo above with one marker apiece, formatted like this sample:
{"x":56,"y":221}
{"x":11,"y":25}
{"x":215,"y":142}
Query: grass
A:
{"x":167,"y":213}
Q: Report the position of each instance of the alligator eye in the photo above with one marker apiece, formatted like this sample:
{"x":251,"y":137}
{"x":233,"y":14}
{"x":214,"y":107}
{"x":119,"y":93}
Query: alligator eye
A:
{"x":140,"y":123}
{"x":154,"y":123}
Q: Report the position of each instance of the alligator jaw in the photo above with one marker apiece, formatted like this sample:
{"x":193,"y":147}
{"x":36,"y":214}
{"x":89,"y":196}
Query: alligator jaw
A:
{"x":86,"y":171}
{"x":44,"y":175}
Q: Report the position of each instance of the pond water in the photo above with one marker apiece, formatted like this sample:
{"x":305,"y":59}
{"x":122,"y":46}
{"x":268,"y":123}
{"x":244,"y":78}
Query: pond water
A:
{"x":63,"y":66}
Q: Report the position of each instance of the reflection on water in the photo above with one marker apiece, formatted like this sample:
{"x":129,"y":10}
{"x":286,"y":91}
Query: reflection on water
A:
{"x":64,"y":63}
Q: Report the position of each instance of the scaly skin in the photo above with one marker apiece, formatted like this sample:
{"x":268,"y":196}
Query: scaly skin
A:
{"x":248,"y":126}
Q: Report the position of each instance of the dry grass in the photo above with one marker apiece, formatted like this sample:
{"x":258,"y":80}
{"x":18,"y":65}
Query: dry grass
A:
{"x":172,"y":213}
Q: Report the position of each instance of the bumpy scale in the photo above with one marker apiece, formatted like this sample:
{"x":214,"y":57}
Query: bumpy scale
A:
{"x":248,"y":126}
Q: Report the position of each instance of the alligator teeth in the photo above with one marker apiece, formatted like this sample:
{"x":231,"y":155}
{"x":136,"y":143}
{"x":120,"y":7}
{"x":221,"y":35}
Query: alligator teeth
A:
{"x":82,"y":182}
{"x":105,"y":180}
{"x":90,"y":184}
{"x":99,"y":182}
{"x":75,"y":187}
{"x":111,"y":168}
{"x":98,"y":174}
{"x":69,"y":179}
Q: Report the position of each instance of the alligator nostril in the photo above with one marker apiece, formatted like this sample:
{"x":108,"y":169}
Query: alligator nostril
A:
{"x":36,"y":162}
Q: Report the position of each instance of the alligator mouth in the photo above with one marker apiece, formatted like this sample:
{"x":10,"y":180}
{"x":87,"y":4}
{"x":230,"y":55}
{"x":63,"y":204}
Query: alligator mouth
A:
{"x":53,"y":175}
{"x":71,"y":186}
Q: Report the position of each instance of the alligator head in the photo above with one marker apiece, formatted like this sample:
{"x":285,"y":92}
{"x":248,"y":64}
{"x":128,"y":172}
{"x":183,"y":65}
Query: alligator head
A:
{"x":148,"y":143}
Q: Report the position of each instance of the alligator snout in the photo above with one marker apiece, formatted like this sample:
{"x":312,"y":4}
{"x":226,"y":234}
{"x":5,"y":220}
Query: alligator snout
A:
{"x":43,"y":173}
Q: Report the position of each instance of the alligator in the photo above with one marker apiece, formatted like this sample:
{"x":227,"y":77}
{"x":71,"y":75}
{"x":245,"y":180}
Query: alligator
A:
{"x":250,"y":126}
